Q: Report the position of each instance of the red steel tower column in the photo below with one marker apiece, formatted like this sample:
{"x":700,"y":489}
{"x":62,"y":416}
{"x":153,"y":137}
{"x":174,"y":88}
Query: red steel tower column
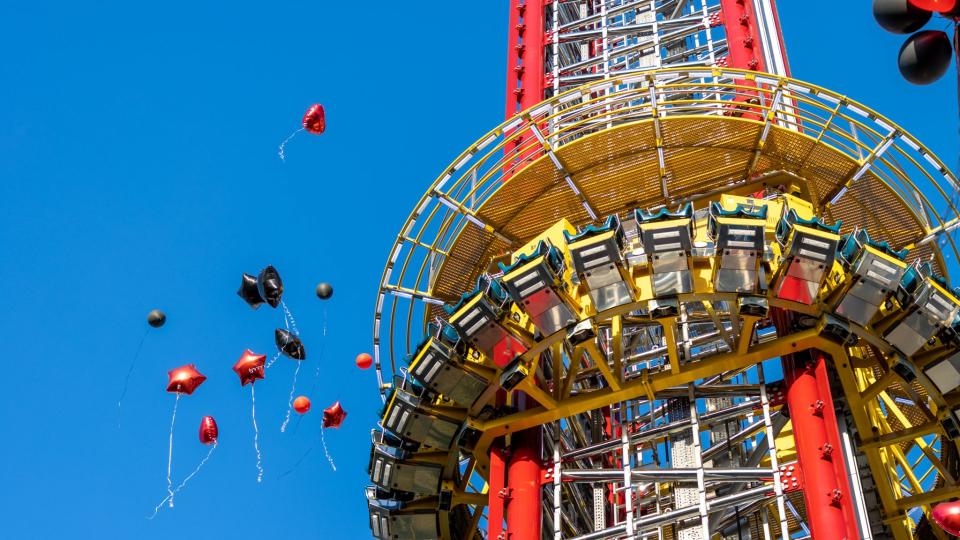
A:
{"x":525,"y":50}
{"x":524,"y":473}
{"x":743,"y":36}
{"x":818,"y":448}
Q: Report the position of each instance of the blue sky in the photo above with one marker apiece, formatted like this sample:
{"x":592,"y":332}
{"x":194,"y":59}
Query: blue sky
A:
{"x":138,"y":169}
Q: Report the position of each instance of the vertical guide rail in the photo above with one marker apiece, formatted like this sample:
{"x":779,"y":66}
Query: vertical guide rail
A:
{"x":557,"y":523}
{"x":772,"y":447}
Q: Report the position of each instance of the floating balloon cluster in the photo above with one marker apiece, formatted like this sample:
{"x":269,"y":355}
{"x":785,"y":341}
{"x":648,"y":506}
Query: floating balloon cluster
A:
{"x":925,"y":55}
{"x":265,"y":288}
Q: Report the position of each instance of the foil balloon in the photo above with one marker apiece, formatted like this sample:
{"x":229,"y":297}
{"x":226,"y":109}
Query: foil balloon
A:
{"x":249,"y":367}
{"x":947,"y":516}
{"x":208,"y":430}
{"x":899,"y":16}
{"x":156,"y":318}
{"x":290,"y":345}
{"x":925,"y":56}
{"x":364,"y":361}
{"x":324,"y":291}
{"x":301,"y":404}
{"x":333,"y":416}
{"x":249,"y":291}
{"x":315,"y":120}
{"x":184,"y":379}
{"x":270,"y":286}
{"x":941,"y":6}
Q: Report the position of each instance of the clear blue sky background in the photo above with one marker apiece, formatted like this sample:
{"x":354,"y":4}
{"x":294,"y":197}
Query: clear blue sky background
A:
{"x":138,"y":169}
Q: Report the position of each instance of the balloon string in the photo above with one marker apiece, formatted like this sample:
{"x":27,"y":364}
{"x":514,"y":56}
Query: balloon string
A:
{"x":256,"y":433}
{"x":173,"y":420}
{"x":316,"y":374}
{"x":288,"y":319}
{"x":299,"y":461}
{"x":185,"y":480}
{"x":284,"y":143}
{"x":293,"y":388}
{"x":126,"y":381}
{"x":272,"y":360}
{"x":325,"y":451}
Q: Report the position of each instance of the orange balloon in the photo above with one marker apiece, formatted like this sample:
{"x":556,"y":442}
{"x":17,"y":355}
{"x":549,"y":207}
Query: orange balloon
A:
{"x":301,"y":404}
{"x":364,"y":361}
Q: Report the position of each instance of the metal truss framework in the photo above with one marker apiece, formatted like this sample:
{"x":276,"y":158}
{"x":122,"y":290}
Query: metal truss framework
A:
{"x":659,"y":426}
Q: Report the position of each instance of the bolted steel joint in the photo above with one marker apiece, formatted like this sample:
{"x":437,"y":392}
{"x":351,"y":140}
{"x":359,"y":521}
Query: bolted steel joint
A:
{"x":835,"y":497}
{"x":817,"y":407}
{"x":826,"y":451}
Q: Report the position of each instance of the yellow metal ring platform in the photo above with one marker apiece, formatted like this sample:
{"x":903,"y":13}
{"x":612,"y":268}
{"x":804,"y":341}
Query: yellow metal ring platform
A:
{"x":659,"y":140}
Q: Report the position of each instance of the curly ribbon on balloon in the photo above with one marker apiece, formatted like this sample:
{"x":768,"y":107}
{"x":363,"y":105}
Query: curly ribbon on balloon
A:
{"x":184,"y":482}
{"x":283,"y":156}
{"x":256,"y":433}
{"x":173,"y":420}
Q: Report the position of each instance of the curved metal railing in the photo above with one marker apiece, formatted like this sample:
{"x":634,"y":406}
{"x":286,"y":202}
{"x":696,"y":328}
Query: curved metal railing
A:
{"x":879,"y":146}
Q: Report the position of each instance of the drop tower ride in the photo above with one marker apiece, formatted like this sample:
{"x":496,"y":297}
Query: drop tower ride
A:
{"x":676,"y":294}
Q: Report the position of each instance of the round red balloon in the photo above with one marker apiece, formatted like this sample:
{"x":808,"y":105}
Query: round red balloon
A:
{"x":208,"y":430}
{"x":935,"y":5}
{"x":184,"y":379}
{"x":364,"y":361}
{"x":314,"y":120}
{"x":947,"y":516}
{"x":301,"y":404}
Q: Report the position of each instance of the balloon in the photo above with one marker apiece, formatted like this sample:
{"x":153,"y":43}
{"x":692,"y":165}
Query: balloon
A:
{"x":249,"y":292}
{"x":941,"y":6}
{"x":333,"y":415}
{"x":899,"y":16}
{"x":290,"y":345}
{"x":301,"y":404}
{"x":270,"y":286}
{"x":249,"y":367}
{"x":925,"y":56}
{"x":208,"y":430}
{"x":947,"y":516}
{"x":324,"y":290}
{"x":156,"y":318}
{"x":184,"y":379}
{"x":314,"y":120}
{"x":364,"y":361}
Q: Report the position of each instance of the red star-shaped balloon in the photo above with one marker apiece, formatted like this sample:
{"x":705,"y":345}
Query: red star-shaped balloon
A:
{"x":333,"y":415}
{"x":250,"y":367}
{"x":184,"y":379}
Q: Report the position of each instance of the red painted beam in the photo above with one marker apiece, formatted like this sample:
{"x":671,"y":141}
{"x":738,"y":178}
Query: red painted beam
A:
{"x":743,"y":37}
{"x":823,"y":493}
{"x":526,"y":43}
{"x":496,"y":492}
{"x":524,"y":474}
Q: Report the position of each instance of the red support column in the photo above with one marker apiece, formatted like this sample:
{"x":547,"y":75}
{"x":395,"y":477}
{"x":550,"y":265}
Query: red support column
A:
{"x":524,"y":475}
{"x":526,"y":43}
{"x":496,"y":493}
{"x":829,"y":506}
{"x":743,"y":37}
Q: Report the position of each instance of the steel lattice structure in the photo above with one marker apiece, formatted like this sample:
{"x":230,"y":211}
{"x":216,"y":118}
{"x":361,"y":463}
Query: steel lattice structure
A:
{"x":670,"y":299}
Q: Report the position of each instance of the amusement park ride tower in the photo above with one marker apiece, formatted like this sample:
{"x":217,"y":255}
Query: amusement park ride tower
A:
{"x":676,"y":294}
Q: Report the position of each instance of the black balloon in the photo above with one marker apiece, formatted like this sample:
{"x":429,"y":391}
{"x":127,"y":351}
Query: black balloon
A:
{"x":156,"y":318}
{"x":899,"y":16}
{"x":249,"y":292}
{"x":925,"y":56}
{"x":324,"y":290}
{"x":270,"y":286}
{"x":290,"y":345}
